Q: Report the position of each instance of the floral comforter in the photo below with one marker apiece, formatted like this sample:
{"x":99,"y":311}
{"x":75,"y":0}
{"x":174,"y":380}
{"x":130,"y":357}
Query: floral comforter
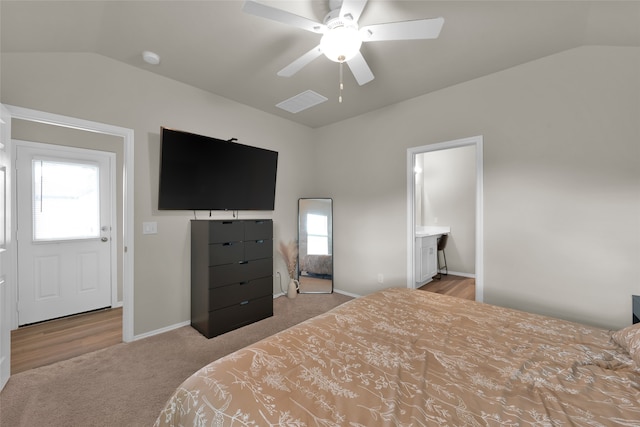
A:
{"x":405,"y":357}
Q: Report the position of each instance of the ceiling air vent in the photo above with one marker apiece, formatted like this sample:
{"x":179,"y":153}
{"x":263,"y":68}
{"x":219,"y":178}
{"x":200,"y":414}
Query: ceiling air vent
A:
{"x":301,"y":101}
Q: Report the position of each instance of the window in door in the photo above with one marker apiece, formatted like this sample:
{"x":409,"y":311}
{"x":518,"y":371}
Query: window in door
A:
{"x":66,"y":202}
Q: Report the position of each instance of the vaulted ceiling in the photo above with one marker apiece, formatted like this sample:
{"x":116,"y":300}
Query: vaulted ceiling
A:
{"x":215,"y":46}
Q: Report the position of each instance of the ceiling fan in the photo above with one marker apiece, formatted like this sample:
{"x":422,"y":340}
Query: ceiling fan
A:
{"x":341,"y":36}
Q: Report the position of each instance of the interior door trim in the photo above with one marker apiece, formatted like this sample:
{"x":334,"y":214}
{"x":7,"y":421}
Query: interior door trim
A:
{"x":476,"y":141}
{"x":127,"y":235}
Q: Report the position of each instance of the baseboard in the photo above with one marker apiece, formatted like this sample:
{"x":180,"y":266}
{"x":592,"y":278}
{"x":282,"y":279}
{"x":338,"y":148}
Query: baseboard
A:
{"x":456,"y":273}
{"x":161,"y":330}
{"x":338,"y":291}
{"x":349,"y":294}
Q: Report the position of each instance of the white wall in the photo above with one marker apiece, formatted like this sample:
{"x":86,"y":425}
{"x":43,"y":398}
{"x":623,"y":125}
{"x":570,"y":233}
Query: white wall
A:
{"x":561,"y":183}
{"x":561,"y":165}
{"x":449,"y":198}
{"x":96,"y":88}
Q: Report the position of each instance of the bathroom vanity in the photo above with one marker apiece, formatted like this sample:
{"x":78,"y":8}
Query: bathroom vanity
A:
{"x":426,"y":250}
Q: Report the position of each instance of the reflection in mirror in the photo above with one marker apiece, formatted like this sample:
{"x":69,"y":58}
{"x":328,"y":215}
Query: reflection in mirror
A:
{"x":315,"y":245}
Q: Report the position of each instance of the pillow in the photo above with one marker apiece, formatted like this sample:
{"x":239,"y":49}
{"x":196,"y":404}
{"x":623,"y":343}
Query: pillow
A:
{"x":629,"y":339}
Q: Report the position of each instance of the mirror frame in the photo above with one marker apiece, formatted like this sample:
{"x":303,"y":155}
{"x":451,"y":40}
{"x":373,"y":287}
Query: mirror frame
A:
{"x":323,"y":266}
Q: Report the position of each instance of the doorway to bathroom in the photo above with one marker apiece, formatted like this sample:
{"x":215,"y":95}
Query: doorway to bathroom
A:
{"x":444,"y":192}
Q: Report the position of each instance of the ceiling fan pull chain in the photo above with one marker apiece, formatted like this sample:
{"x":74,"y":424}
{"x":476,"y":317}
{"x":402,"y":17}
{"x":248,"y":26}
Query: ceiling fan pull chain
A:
{"x":341,"y":84}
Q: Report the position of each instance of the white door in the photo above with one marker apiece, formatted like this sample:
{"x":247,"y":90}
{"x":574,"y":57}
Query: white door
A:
{"x":5,"y":247}
{"x":64,"y":230}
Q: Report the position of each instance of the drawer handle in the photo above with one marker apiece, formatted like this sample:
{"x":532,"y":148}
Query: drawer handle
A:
{"x":243,"y":262}
{"x":227,"y":244}
{"x":259,"y":241}
{"x":244,"y":302}
{"x":243,"y":283}
{"x":227,"y":222}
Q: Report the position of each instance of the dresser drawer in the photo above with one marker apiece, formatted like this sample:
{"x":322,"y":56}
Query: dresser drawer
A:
{"x":261,"y":229}
{"x":226,"y":231}
{"x":236,"y":293}
{"x":235,"y":316}
{"x":221,"y":275}
{"x":256,"y":249}
{"x":226,"y":253}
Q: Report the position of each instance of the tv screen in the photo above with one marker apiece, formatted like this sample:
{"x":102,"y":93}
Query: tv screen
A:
{"x":203,"y":173}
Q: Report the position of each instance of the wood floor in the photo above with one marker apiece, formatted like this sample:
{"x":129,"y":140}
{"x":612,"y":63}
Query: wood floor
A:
{"x":456,"y":286}
{"x":49,"y":342}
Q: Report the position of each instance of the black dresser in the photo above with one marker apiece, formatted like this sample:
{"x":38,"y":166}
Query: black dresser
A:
{"x":231,"y":274}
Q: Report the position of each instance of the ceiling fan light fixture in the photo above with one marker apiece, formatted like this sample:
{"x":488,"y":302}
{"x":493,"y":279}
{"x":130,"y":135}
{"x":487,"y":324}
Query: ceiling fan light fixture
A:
{"x":340,"y":44}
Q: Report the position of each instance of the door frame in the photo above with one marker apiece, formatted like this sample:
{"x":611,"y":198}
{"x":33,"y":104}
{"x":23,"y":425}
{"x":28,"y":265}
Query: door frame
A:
{"x":476,"y":141}
{"x":6,"y":248}
{"x":62,"y":150}
{"x":127,"y":233}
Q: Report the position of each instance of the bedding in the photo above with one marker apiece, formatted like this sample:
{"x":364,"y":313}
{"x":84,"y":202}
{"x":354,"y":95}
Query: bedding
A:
{"x":403,"y":357}
{"x":629,"y":339}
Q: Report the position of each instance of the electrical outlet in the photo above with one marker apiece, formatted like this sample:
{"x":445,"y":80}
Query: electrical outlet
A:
{"x":380,"y":278}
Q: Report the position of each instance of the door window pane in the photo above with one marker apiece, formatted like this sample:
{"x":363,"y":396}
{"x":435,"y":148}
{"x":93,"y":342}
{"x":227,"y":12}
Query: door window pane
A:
{"x":66,"y":203}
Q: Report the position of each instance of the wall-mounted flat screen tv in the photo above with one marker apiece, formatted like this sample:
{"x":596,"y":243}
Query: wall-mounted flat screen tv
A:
{"x":203,"y":173}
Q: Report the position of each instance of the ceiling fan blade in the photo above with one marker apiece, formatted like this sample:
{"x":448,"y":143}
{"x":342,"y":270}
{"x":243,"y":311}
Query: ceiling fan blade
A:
{"x":405,"y":30}
{"x":300,"y":63}
{"x":262,"y":10}
{"x":360,"y":69}
{"x":352,"y":8}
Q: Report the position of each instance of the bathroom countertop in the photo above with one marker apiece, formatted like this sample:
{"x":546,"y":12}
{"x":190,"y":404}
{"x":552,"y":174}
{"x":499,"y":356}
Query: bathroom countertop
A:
{"x":432,"y":230}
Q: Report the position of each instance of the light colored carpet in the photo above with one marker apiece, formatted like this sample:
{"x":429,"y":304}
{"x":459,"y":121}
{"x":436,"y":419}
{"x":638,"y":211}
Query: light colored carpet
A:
{"x":129,"y":383}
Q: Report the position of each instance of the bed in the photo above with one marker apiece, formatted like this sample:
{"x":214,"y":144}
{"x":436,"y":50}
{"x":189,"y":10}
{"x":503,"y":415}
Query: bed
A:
{"x":403,"y":357}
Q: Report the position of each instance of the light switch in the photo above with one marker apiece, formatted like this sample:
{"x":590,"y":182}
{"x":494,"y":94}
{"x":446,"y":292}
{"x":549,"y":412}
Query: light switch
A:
{"x":150,"y":227}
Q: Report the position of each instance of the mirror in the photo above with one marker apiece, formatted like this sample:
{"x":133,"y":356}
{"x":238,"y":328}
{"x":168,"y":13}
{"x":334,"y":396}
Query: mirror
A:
{"x":315,"y":246}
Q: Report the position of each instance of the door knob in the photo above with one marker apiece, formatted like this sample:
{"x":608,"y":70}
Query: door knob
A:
{"x":105,"y":239}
